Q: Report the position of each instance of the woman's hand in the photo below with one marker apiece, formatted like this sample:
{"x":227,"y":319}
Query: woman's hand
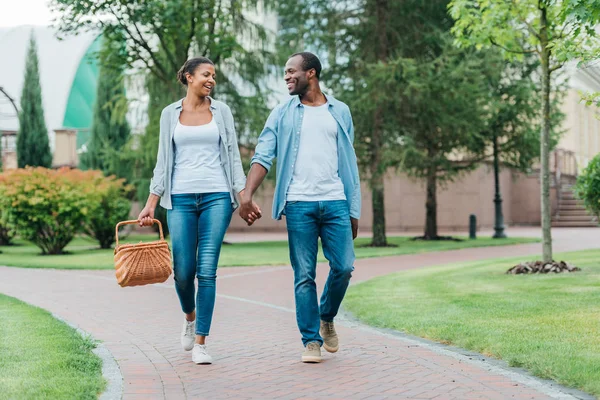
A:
{"x":249,"y":210}
{"x":146,"y":216}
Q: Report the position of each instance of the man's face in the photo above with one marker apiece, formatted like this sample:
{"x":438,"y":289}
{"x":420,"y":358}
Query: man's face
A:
{"x":295,"y":77}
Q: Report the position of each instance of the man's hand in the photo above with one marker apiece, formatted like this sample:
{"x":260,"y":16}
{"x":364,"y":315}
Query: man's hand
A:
{"x":249,"y":210}
{"x":354,"y":223}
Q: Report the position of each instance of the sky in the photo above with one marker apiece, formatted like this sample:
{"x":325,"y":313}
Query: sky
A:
{"x":24,"y":12}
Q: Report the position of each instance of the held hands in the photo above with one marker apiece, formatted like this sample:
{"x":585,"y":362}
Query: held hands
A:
{"x":354,"y":223}
{"x":249,"y":210}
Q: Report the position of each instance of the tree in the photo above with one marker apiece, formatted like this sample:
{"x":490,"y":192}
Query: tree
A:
{"x":330,"y":28}
{"x":555,"y":30}
{"x":365,"y":44}
{"x":110,"y":129}
{"x":513,"y":121}
{"x":33,"y":147}
{"x":444,"y":117}
{"x":159,"y":36}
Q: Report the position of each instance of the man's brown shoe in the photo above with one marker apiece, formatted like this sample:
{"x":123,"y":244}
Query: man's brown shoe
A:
{"x":330,"y":337}
{"x":312,"y":353}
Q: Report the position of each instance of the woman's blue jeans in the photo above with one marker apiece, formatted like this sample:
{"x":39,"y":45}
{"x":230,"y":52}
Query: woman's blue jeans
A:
{"x":197,"y":224}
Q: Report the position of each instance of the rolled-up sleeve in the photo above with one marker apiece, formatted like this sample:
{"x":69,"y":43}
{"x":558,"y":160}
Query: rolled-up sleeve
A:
{"x":157,"y":183}
{"x":239,"y":178}
{"x":266,"y":149}
{"x":356,"y":201}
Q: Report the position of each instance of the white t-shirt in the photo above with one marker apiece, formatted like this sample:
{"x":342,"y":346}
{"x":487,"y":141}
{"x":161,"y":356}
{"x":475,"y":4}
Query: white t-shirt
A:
{"x":197,"y":167}
{"x":316,"y":176}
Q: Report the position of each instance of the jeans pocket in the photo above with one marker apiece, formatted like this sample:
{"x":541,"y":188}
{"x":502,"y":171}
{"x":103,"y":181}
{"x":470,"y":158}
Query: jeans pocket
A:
{"x":287,"y":204}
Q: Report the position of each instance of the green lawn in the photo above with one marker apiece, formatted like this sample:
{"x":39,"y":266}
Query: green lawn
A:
{"x":84,"y":253}
{"x":43,"y":358}
{"x":548,"y":324}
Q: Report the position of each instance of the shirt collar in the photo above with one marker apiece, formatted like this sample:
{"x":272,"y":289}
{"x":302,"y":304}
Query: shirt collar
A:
{"x":297,"y":103}
{"x":179,"y":103}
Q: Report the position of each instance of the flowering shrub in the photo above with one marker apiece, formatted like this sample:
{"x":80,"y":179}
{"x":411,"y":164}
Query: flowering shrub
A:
{"x":44,"y":206}
{"x":109,"y":206}
{"x":49,"y":207}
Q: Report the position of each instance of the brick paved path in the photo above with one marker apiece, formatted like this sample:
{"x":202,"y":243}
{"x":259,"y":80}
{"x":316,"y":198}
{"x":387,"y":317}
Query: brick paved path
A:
{"x":255,"y":343}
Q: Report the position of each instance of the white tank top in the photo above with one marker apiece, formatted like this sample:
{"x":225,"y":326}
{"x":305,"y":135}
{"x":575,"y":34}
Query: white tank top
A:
{"x":197,"y":167}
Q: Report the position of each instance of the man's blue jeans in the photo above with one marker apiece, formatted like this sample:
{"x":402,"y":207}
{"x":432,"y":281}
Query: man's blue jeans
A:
{"x":197,"y":224}
{"x":306,"y":222}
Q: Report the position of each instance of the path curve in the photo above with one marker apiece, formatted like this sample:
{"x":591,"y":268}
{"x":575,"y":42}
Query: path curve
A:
{"x":255,"y":343}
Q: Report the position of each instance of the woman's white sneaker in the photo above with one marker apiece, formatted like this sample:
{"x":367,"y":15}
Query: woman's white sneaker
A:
{"x":188,"y":334}
{"x":200,"y":356}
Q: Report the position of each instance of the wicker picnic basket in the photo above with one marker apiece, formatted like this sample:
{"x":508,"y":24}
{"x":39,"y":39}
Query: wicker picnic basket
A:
{"x":142,"y":263}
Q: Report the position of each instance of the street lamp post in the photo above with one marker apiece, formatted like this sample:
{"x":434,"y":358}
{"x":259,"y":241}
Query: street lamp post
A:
{"x":499,"y":218}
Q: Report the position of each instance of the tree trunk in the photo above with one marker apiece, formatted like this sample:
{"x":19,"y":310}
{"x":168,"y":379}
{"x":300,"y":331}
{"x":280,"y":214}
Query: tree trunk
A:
{"x":431,"y":232}
{"x":545,"y":139}
{"x":377,"y":188}
{"x":376,"y":145}
{"x":499,"y":219}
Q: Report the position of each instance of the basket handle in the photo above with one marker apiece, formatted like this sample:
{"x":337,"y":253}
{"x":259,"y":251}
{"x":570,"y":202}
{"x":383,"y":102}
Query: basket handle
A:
{"x":135,"y":221}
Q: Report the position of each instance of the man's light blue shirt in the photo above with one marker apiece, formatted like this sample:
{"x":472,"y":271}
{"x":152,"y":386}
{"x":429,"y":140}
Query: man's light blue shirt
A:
{"x":281,"y":138}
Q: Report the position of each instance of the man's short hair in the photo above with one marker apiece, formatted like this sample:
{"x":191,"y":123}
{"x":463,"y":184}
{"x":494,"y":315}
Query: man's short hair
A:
{"x":310,"y":61}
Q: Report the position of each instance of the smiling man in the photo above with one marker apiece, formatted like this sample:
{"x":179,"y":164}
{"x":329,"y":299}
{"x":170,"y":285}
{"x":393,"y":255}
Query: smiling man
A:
{"x":318,"y":190}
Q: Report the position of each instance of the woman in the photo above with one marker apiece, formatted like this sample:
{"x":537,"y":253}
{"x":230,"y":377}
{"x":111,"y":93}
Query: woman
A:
{"x":197,"y":176}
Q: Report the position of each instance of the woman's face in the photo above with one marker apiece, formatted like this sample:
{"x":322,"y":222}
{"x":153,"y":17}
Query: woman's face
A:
{"x":203,"y":81}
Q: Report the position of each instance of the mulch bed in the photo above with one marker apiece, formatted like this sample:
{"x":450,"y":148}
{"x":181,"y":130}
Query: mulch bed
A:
{"x":540,"y":267}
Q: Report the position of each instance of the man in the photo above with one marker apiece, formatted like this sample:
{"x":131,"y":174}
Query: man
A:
{"x":318,"y":190}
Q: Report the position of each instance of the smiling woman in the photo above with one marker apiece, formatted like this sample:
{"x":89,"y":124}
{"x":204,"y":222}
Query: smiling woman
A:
{"x":197,"y":177}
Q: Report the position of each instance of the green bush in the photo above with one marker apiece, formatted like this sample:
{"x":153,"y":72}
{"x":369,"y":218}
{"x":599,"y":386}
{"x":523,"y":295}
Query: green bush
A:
{"x":7,"y":234}
{"x":588,"y":186}
{"x":47,"y":207}
{"x":110,"y":205}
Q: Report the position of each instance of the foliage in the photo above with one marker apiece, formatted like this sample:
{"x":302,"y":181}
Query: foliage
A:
{"x":7,"y":234}
{"x":367,"y":47}
{"x":160,"y":36}
{"x":418,"y":103}
{"x":517,"y":27}
{"x":46,"y":207}
{"x":49,"y":207}
{"x":33,"y":147}
{"x":110,"y":130}
{"x":110,"y":206}
{"x":556,"y":31}
{"x":588,"y":186}
{"x":514,"y":113}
